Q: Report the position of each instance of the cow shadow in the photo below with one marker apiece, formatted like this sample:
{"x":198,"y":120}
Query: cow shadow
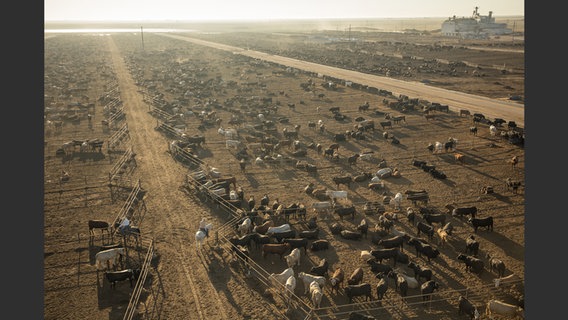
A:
{"x":399,"y":181}
{"x":515,"y":250}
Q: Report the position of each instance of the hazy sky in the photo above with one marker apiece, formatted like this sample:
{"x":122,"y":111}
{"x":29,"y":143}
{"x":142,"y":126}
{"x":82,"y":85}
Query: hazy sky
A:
{"x":271,"y":9}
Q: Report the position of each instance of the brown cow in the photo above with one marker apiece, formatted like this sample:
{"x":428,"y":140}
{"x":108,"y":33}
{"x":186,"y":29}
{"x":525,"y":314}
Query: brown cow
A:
{"x":276,"y":248}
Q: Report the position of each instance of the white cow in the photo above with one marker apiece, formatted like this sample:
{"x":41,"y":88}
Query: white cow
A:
{"x":290,"y":285}
{"x":504,"y":309}
{"x":245,"y":227}
{"x":309,"y":278}
{"x":293,"y":258}
{"x":282,"y":277}
{"x":492,"y":130}
{"x":280,"y":229}
{"x":316,"y":293}
{"x":108,"y":256}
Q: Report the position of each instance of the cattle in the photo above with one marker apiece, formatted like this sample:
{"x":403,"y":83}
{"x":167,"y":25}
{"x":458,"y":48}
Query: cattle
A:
{"x":363,"y":289}
{"x":297,"y":243}
{"x":321,"y":269}
{"x":420,"y":271}
{"x":308,"y":278}
{"x":98,"y":224}
{"x":293,"y":258}
{"x":504,"y":309}
{"x":345,"y":211}
{"x":463,"y":211}
{"x":351,"y":160}
{"x":336,"y":279}
{"x":283,"y":235}
{"x":382,"y":254}
{"x":466,"y":307}
{"x":481,"y":222}
{"x":319,"y":245}
{"x":110,"y":257}
{"x":363,"y":227}
{"x":336,"y":194}
{"x":438,"y":218}
{"x":458,"y":157}
{"x":377,"y":267}
{"x":290,"y":285}
{"x":471,"y":246}
{"x":382,"y":285}
{"x":316,"y":293}
{"x":275,"y":248}
{"x":245,"y":227}
{"x":309,"y":234}
{"x":464,"y":112}
{"x":472,"y":264}
{"x":425,"y":228}
{"x":424,"y":249}
{"x":260,"y":239}
{"x":513,"y":185}
{"x":385,"y":124}
{"x":359,"y":316}
{"x":400,"y":283}
{"x":282,"y":277}
{"x":263,"y":228}
{"x":356,"y":277}
{"x":427,"y":288}
{"x":393,"y":242}
{"x":443,"y":236}
{"x":345,"y":180}
{"x":496,"y":265}
{"x":339,"y":137}
{"x":473,"y":130}
{"x":127,"y":274}
{"x":242,"y":241}
{"x":350,"y":235}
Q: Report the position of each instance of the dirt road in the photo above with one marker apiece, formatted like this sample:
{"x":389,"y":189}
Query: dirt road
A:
{"x":173,"y":222}
{"x":491,"y":108}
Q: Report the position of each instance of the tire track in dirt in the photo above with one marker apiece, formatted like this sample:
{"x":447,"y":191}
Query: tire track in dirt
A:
{"x":152,"y":159}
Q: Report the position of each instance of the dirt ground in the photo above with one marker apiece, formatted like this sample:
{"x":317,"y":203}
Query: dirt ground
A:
{"x":84,"y":73}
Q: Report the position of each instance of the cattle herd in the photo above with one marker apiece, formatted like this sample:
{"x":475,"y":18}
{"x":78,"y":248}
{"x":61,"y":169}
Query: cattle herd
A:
{"x":341,"y":200}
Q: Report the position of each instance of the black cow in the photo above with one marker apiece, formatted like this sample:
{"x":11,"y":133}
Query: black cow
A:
{"x":466,"y":307}
{"x":346,"y":180}
{"x":385,"y":124}
{"x":420,"y":271}
{"x":321,"y":269}
{"x":363,"y":289}
{"x":393,"y":242}
{"x":465,"y":211}
{"x":381,"y":254}
{"x":127,"y":274}
{"x":359,"y":316}
{"x":378,"y":267}
{"x":427,"y":288}
{"x":438,"y":218}
{"x":425,"y":228}
{"x":472,"y":264}
{"x":471,"y":246}
{"x":260,"y":239}
{"x":297,"y":243}
{"x":279,"y":236}
{"x":319,"y":245}
{"x":481,"y":222}
{"x":496,"y":265}
{"x":424,"y":249}
{"x":345,"y":211}
{"x":339,"y":137}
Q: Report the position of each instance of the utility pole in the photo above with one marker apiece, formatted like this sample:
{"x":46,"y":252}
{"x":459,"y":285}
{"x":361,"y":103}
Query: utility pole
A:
{"x":142,"y":34}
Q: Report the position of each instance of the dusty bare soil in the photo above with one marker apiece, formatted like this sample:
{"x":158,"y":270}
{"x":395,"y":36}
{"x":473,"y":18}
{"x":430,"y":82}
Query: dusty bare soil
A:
{"x":85,"y":73}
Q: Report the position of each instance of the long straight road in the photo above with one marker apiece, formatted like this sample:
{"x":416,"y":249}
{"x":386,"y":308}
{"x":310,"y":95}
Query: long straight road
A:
{"x":491,"y":108}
